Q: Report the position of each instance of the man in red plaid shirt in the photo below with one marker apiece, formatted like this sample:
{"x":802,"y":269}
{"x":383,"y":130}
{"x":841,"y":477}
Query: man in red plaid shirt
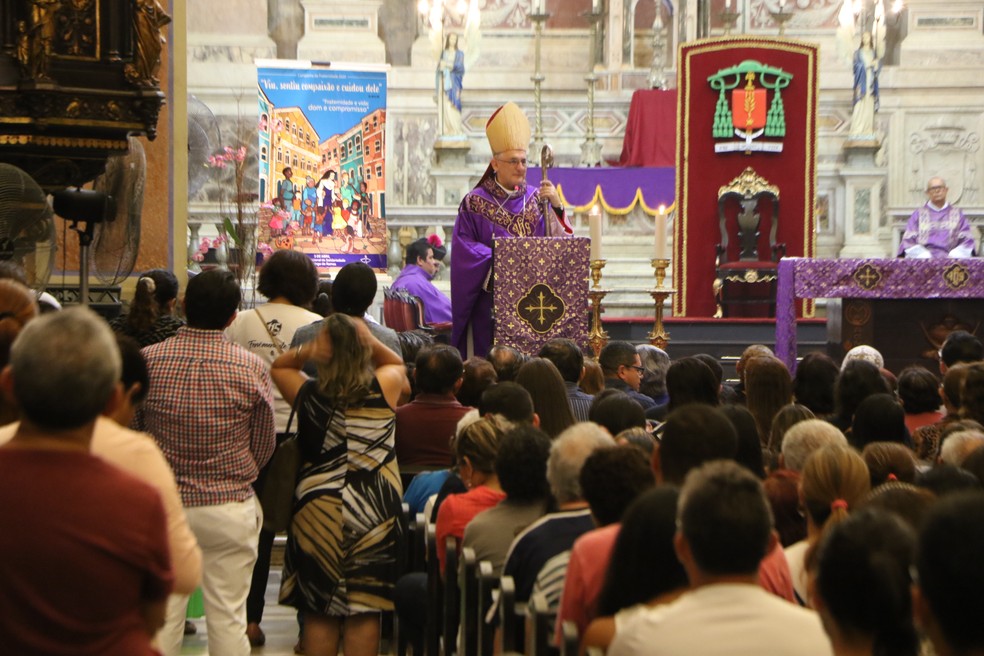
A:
{"x":210,"y":406}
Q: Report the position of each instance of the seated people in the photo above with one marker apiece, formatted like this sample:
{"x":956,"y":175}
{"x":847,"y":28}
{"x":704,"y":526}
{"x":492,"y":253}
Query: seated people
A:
{"x":416,"y":278}
{"x":424,"y":426}
{"x":521,"y":467}
{"x":83,"y":545}
{"x":569,"y":360}
{"x":725,"y":530}
{"x":623,"y":370}
{"x":937,"y":229}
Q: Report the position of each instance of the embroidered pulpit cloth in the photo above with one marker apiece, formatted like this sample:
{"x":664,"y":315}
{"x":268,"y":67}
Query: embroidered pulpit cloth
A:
{"x":540,"y":290}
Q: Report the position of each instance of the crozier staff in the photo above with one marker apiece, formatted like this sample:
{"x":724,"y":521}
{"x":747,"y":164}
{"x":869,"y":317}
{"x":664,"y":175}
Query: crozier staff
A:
{"x":500,"y":205}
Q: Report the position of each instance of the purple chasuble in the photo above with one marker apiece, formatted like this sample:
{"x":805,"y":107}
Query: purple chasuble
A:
{"x":437,"y":306}
{"x":485,"y":212}
{"x":940,"y":231}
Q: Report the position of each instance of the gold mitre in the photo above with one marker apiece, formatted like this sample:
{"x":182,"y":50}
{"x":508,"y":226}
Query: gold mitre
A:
{"x":508,"y":129}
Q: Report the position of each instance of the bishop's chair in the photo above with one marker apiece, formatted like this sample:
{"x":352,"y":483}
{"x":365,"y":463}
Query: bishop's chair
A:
{"x":747,"y":255}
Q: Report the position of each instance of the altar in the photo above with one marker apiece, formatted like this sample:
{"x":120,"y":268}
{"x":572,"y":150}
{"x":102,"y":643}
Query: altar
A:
{"x":904,"y":308}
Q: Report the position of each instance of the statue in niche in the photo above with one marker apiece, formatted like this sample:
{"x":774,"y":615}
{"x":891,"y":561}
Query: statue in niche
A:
{"x":456,"y":55}
{"x":149,"y":20}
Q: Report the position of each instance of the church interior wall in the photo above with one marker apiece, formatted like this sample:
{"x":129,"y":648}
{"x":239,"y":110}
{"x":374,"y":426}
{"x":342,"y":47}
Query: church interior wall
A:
{"x":938,"y":107}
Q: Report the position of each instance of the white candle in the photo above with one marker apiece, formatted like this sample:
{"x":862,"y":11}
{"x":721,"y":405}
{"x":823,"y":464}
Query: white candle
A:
{"x":727,"y":5}
{"x":594,"y":229}
{"x":782,"y":4}
{"x":596,"y":6}
{"x":660,"y":249}
{"x":538,"y":6}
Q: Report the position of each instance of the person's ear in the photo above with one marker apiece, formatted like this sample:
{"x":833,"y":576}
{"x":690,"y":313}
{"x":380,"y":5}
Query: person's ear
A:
{"x":536,"y":420}
{"x":656,"y":463}
{"x":115,"y":399}
{"x":457,"y":384}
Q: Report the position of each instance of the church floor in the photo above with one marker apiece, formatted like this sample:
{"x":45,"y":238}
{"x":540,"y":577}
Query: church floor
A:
{"x":279,"y":624}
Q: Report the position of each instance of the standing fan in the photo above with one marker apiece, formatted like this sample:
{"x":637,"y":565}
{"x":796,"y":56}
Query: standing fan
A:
{"x":27,"y":226}
{"x":116,"y":241}
{"x":203,"y":141}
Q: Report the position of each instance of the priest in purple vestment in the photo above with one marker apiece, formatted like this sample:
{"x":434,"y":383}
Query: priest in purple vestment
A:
{"x":500,"y":205}
{"x":937,"y":229}
{"x":416,"y":278}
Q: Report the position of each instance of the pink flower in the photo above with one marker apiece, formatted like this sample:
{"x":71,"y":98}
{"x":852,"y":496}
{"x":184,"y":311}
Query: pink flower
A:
{"x":434,"y":241}
{"x":198,"y":257}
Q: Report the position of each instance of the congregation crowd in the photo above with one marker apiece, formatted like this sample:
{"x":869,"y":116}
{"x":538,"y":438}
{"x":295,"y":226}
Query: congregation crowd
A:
{"x":835,"y":510}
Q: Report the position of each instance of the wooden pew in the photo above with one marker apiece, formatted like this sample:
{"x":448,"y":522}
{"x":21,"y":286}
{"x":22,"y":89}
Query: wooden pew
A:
{"x":571,"y":643}
{"x":435,"y":596}
{"x":488,"y":582}
{"x":468,"y":602}
{"x":451,"y":596}
{"x":508,"y":621}
{"x":539,"y":637}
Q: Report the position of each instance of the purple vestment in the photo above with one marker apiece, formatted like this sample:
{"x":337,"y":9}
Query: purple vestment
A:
{"x":485,"y":212}
{"x":941,"y":232}
{"x":437,"y":306}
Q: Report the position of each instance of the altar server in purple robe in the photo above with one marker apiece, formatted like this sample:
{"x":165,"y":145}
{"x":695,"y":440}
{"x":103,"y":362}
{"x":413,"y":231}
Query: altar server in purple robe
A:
{"x":416,"y":276}
{"x":937,"y":229}
{"x":500,"y":205}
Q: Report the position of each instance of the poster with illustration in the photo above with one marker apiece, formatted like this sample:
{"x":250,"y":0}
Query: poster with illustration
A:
{"x":322,"y":160}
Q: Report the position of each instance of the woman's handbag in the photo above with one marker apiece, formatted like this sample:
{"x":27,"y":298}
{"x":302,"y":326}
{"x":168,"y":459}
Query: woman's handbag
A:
{"x":277,"y":494}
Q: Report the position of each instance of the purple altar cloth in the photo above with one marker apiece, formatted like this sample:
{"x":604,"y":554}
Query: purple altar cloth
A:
{"x":867,"y":278}
{"x":620,"y":188}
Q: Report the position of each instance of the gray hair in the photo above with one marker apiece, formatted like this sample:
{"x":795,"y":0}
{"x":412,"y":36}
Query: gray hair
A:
{"x":957,"y":446}
{"x":567,"y":455}
{"x":804,"y":438}
{"x":65,"y":368}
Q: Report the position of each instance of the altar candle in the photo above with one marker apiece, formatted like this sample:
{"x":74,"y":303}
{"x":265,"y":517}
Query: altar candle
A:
{"x":727,"y":5}
{"x":782,"y":4}
{"x":537,"y":6}
{"x":660,"y":250}
{"x":594,"y":228}
{"x":596,"y":6}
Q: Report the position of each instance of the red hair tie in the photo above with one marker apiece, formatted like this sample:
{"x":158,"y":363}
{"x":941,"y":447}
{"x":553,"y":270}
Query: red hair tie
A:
{"x":838,"y":504}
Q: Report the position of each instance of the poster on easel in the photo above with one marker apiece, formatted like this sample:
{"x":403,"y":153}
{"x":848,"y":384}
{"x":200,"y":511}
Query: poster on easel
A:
{"x":322,"y":161}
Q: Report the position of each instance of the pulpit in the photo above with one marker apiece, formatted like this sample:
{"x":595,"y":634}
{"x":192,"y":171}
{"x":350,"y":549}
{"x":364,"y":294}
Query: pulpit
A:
{"x":540,"y":290}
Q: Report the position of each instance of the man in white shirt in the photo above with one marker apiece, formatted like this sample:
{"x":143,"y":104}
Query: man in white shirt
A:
{"x":725,"y":528}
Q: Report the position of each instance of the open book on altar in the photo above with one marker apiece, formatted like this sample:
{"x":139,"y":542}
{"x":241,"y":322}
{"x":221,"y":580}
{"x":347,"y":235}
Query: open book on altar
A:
{"x":540,"y":290}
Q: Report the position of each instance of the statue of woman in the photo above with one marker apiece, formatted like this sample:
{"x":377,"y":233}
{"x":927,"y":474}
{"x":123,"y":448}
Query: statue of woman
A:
{"x":450,"y":72}
{"x":866,"y":68}
{"x":455,"y":55}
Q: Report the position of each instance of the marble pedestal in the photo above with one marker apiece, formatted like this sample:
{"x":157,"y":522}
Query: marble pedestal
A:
{"x":863,"y":183}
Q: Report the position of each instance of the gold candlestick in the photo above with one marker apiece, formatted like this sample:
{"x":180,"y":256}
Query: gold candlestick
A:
{"x":781,"y":18}
{"x":658,"y":336}
{"x":597,"y":337}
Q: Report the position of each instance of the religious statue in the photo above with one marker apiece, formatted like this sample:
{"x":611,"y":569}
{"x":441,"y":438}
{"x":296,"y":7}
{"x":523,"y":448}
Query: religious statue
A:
{"x":149,"y":19}
{"x":866,"y":57}
{"x":867,"y":65}
{"x":34,"y":40}
{"x":455,"y":54}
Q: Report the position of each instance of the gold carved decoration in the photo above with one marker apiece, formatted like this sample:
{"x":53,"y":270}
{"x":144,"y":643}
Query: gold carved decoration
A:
{"x":77,"y":30}
{"x":956,"y":276}
{"x":149,"y":20}
{"x":751,"y":276}
{"x":748,"y":184}
{"x":867,"y":276}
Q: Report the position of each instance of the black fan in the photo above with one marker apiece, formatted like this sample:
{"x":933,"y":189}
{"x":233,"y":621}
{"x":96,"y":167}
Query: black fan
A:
{"x":27,"y":226}
{"x":116,"y":241}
